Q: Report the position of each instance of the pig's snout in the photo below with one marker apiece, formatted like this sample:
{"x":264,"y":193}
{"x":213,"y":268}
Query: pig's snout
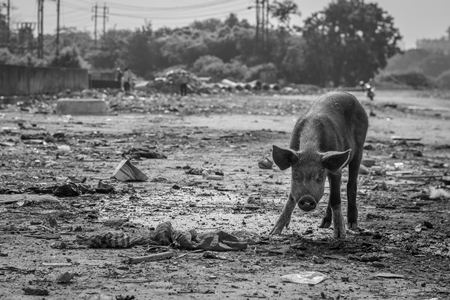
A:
{"x":307,"y":203}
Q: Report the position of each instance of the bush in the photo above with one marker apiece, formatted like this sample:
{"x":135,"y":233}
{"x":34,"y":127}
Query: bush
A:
{"x":415,"y":80}
{"x":69,"y":58}
{"x":9,"y":58}
{"x":443,"y":81}
{"x":215,"y":68}
{"x":253,"y":73}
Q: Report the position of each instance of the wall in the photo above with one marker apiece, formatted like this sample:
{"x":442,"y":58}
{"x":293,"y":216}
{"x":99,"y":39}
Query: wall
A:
{"x":20,"y":80}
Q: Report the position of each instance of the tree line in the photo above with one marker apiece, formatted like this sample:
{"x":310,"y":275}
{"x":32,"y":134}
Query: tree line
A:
{"x":347,"y":41}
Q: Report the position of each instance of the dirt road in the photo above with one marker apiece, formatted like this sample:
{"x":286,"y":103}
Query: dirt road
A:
{"x":401,"y":250}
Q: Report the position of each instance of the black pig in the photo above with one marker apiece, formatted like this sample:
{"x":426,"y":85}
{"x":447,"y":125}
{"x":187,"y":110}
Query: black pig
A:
{"x":326,"y":139}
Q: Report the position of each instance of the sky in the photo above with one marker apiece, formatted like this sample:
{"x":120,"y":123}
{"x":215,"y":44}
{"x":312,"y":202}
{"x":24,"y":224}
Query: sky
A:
{"x":416,"y":19}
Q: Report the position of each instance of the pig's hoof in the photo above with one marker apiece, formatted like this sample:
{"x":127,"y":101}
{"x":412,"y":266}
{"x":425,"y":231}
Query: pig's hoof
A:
{"x":276,"y":231}
{"x":338,"y":234}
{"x":353,"y":226}
{"x":325,"y":224}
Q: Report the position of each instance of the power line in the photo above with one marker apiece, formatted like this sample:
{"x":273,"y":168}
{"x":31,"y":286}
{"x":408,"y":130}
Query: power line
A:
{"x":172,"y":8}
{"x":175,"y":17}
{"x":73,"y":13}
{"x":202,"y":12}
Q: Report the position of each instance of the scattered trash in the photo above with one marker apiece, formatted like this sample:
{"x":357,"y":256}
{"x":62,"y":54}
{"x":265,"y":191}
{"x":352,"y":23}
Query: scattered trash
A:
{"x":194,"y":171}
{"x":67,"y":189}
{"x":436,"y":193}
{"x":65,"y":277}
{"x":265,"y":163}
{"x":428,"y":224}
{"x":139,"y":153}
{"x":104,"y":188}
{"x":25,"y":199}
{"x":191,"y":240}
{"x":64,"y":148}
{"x":367,"y":162}
{"x":35,"y":291}
{"x":363,"y":170}
{"x":112,"y":240}
{"x":389,"y":275}
{"x":115,"y":222}
{"x":399,"y":138}
{"x":211,"y":255}
{"x":160,"y":179}
{"x":127,"y":297}
{"x":254,"y":198}
{"x":126,"y":171}
{"x":211,"y":175}
{"x":307,"y":277}
{"x":318,"y":260}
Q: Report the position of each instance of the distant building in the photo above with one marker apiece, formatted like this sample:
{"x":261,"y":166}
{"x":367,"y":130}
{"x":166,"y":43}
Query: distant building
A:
{"x":437,"y":45}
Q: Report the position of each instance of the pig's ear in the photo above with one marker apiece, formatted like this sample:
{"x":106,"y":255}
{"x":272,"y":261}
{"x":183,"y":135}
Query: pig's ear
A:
{"x":334,"y":160}
{"x":284,"y":158}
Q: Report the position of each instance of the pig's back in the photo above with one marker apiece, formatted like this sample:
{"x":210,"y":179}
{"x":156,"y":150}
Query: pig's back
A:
{"x":337,"y":105}
{"x":335,"y":121}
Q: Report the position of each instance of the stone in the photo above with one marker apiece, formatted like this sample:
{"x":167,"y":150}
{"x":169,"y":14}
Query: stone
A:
{"x":82,"y":107}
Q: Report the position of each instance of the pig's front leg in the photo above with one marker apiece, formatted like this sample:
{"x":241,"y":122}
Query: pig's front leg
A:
{"x":285,"y":217}
{"x":335,"y":205}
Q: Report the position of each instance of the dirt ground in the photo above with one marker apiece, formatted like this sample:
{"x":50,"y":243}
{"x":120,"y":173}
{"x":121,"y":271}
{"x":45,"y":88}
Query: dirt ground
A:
{"x":401,"y":250}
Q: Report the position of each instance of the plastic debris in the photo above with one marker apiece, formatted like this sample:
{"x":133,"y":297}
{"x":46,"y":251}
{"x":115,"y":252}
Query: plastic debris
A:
{"x":126,"y":171}
{"x":24,"y":199}
{"x":65,"y":277}
{"x":439,"y":193}
{"x":363,"y":170}
{"x":307,"y":277}
{"x":265,"y":163}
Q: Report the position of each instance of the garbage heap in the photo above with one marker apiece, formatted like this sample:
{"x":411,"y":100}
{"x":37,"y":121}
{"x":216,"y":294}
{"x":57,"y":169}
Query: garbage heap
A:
{"x":170,"y":83}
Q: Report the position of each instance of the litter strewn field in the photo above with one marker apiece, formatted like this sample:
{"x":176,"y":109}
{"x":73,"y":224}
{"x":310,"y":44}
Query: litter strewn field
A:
{"x":196,"y":222}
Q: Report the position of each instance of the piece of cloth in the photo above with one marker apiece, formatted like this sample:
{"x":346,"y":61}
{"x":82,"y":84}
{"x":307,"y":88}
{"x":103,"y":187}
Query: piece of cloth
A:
{"x":166,"y":235}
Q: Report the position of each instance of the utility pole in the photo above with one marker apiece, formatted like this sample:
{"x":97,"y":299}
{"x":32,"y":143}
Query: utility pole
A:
{"x":58,"y":12}
{"x":267,"y":23}
{"x":96,"y":16}
{"x":257,"y":26}
{"x":263,"y":23}
{"x":105,"y":11}
{"x":40,"y":47}
{"x":8,"y":13}
{"x":95,"y":9}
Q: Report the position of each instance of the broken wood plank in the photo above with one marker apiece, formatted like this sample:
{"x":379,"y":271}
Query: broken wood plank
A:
{"x":420,"y":176}
{"x":399,"y":138}
{"x":153,"y":257}
{"x":57,"y":264}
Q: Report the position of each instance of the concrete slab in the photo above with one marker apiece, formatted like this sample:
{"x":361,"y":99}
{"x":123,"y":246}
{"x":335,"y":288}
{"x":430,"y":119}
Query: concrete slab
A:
{"x":81,"y":107}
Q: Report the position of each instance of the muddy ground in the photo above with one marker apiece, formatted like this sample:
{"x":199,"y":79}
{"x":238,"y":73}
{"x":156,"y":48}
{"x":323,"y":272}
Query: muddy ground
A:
{"x":401,"y":250}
